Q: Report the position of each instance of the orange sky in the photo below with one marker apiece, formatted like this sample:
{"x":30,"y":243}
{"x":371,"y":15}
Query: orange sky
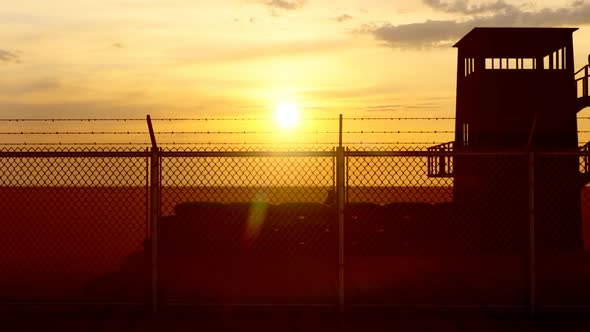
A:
{"x":241,"y":58}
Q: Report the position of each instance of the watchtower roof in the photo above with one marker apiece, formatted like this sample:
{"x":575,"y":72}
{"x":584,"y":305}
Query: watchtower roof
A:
{"x":514,"y":42}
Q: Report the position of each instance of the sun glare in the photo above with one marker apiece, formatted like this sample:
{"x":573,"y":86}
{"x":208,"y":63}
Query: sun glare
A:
{"x":287,"y":115}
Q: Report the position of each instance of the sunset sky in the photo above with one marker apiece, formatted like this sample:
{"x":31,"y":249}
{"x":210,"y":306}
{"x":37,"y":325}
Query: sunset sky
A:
{"x":227,"y":58}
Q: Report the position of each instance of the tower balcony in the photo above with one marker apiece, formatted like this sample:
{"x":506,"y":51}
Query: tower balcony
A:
{"x":585,"y":164}
{"x":440,"y":160}
{"x":583,"y":91}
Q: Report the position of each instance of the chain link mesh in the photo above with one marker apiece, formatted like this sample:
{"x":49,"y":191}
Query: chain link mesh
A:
{"x":67,"y":220}
{"x":431,"y":236}
{"x":562,"y":208}
{"x":263,"y":220}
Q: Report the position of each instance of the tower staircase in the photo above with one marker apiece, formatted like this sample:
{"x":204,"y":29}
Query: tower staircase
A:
{"x":584,"y":165}
{"x":583,"y":99}
{"x":440,"y":160}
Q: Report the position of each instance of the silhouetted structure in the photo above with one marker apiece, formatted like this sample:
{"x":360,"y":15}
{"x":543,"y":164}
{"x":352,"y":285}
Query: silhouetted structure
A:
{"x":516,"y":92}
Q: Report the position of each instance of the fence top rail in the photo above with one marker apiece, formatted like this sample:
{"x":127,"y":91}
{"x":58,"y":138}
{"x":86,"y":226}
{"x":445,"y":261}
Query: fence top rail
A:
{"x":218,"y":154}
{"x":74,"y":154}
{"x":179,"y":154}
{"x":262,"y":153}
{"x":431,"y":153}
{"x":563,"y":153}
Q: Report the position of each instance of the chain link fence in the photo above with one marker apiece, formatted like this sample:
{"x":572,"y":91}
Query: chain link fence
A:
{"x":70,"y":218}
{"x":248,"y":227}
{"x":263,"y":227}
{"x":419,"y":238}
{"x":562,"y":206}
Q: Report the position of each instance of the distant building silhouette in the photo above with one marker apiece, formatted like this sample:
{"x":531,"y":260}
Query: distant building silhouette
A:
{"x":516,"y":92}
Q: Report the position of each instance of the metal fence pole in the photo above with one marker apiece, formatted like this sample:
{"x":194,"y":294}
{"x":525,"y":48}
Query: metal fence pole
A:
{"x":346,"y":177}
{"x":340,"y":194}
{"x":532,"y":245}
{"x":154,"y":213}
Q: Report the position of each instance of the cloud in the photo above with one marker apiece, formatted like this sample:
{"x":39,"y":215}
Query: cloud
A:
{"x":436,"y":33}
{"x":8,"y":56}
{"x":463,"y":6}
{"x":90,"y":109}
{"x":401,"y":107}
{"x":262,"y":51}
{"x":44,"y":84}
{"x":343,"y":18}
{"x":347,"y":93}
{"x":283,"y":4}
{"x":416,"y":35}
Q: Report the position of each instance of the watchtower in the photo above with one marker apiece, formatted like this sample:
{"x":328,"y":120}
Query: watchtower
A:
{"x":516,"y":92}
{"x":515,"y":88}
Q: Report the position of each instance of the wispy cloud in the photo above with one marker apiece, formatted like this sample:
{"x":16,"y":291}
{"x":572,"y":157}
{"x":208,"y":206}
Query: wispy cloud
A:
{"x":435,"y":33}
{"x":273,"y":50}
{"x":401,"y":107}
{"x":40,"y":85}
{"x":283,"y":4}
{"x":9,"y":56}
{"x":97,"y":108}
{"x":463,"y":6}
{"x":347,"y":93}
{"x":44,"y":84}
{"x":343,"y":18}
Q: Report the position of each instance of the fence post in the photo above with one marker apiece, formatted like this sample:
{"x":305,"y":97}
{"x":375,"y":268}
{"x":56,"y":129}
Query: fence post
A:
{"x":154,"y":213}
{"x":340,"y":196}
{"x":532,"y":245}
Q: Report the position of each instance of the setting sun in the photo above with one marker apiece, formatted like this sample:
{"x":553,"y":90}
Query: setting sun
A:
{"x":287,"y":115}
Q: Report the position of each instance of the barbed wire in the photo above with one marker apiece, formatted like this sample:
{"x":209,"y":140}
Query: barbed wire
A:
{"x":399,"y":118}
{"x":70,"y":120}
{"x":126,"y":119}
{"x":238,"y":132}
{"x":210,"y":143}
{"x":212,"y":132}
{"x":205,"y":119}
{"x":74,"y":143}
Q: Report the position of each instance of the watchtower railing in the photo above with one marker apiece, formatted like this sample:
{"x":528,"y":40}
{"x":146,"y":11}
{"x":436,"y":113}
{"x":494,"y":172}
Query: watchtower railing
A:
{"x":585,"y":159}
{"x":583,"y":95}
{"x":440,"y":164}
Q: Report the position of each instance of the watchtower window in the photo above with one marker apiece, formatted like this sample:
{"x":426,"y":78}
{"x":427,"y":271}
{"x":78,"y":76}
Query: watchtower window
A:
{"x":512,"y":64}
{"x":465,"y":134}
{"x":555,"y":60}
{"x":469,"y":66}
{"x":509,"y":63}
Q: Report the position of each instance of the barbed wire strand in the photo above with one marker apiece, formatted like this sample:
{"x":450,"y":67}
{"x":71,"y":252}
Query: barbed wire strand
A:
{"x":242,"y":132}
{"x":205,"y":119}
{"x":212,"y":132}
{"x":210,"y":143}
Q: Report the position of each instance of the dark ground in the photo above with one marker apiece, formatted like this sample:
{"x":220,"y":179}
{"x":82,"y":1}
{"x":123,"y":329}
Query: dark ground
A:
{"x":430,"y":320}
